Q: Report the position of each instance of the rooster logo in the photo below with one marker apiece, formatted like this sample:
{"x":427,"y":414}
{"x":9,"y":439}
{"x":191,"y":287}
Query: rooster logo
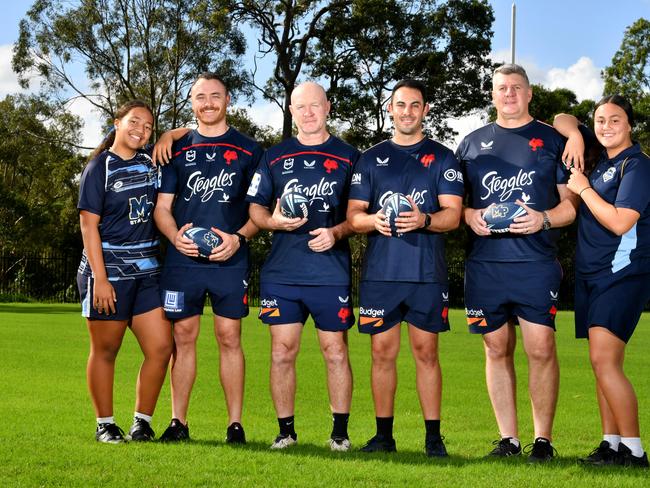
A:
{"x":344,"y":314}
{"x":230,"y":156}
{"x":427,"y":159}
{"x":535,"y":143}
{"x":330,"y":165}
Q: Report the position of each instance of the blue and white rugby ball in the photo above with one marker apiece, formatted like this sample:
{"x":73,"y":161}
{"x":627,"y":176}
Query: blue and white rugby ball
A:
{"x":205,"y":240}
{"x":498,"y":217}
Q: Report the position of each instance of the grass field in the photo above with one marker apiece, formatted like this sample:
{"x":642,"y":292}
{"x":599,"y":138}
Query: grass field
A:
{"x":47,"y":423}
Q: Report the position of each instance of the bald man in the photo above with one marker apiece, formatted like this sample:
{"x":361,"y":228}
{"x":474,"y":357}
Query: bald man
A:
{"x":308,"y":269}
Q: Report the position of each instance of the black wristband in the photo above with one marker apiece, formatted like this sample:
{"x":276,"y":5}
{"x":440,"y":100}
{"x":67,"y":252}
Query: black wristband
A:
{"x":242,"y":239}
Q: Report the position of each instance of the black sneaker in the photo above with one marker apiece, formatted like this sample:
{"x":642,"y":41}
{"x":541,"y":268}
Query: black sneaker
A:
{"x":602,"y":455}
{"x":140,"y":431}
{"x":434,"y":447}
{"x":235,"y":434}
{"x":540,"y":451}
{"x":379,"y":444}
{"x":109,"y":433}
{"x":504,"y":448}
{"x":176,"y":432}
{"x":625,"y":458}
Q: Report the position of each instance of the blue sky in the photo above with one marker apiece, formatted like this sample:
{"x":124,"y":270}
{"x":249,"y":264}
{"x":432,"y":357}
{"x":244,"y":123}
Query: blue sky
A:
{"x":561,"y":43}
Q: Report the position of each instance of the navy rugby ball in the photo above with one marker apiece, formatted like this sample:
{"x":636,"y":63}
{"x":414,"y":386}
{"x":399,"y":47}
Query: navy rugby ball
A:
{"x":205,"y":239}
{"x":294,"y":204}
{"x":393,"y":206}
{"x":498,"y":217}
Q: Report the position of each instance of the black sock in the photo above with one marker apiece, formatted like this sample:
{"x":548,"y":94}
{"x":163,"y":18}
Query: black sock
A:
{"x":433,"y":428}
{"x":286,"y":426}
{"x":385,"y":426}
{"x":340,"y":427}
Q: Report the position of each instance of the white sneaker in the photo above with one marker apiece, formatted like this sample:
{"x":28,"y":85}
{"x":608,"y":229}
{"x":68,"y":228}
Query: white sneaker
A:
{"x":283,"y":441}
{"x":339,"y":444}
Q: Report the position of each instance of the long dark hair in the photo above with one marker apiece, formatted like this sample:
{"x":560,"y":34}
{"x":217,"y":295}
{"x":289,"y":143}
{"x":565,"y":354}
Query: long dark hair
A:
{"x":122,"y":111}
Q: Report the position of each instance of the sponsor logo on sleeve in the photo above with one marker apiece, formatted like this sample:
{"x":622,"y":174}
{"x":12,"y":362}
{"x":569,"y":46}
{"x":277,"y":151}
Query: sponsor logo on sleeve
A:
{"x":255,"y":185}
{"x":453,"y":175}
{"x":356,"y":179}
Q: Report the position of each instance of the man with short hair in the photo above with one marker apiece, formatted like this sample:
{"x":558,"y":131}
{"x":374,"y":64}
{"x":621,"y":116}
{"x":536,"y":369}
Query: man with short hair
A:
{"x":308,"y":268}
{"x":405,"y":276}
{"x":514,"y":276}
{"x":205,"y":186}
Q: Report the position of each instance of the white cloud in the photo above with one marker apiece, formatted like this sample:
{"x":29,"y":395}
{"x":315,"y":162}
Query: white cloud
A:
{"x":265,"y":113}
{"x":582,"y":77}
{"x":93,"y":130}
{"x":8,"y":79}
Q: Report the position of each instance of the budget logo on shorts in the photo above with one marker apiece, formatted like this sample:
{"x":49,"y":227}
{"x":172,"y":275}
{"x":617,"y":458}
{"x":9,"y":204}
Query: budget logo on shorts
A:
{"x":373,"y":317}
{"x":269,"y":308}
{"x":173,"y":301}
{"x":475,"y":317}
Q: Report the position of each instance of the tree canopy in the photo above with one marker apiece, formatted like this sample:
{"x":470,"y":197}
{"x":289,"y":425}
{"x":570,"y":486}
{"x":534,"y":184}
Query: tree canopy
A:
{"x":629,"y":75}
{"x":151,"y":50}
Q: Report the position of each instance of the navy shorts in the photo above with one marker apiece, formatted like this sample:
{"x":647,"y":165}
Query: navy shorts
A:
{"x":497,"y":292}
{"x":384,"y":304}
{"x":184,"y":290}
{"x":329,"y":306}
{"x":612,"y":302}
{"x":134,"y":297}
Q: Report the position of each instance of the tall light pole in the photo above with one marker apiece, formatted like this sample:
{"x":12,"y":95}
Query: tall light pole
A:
{"x":512,"y":33}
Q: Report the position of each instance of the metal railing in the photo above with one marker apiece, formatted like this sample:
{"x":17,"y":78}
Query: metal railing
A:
{"x":52,"y":278}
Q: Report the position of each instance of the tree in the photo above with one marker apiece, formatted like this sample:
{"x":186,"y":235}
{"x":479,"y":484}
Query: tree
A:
{"x":629,"y":75}
{"x":147,"y":49}
{"x":362,"y":55}
{"x":288,"y":29}
{"x":38,"y":176}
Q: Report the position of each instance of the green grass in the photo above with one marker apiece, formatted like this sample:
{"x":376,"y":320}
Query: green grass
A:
{"x":47,"y":423}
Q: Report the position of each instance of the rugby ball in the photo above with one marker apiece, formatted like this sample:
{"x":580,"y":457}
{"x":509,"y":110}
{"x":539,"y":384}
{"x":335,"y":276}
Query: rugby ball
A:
{"x":294,"y":204}
{"x":205,"y":240}
{"x":498,"y":217}
{"x":393,"y":206}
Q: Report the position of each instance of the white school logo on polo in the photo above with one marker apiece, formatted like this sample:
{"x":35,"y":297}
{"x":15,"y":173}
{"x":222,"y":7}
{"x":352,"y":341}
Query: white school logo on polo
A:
{"x":609,"y":174}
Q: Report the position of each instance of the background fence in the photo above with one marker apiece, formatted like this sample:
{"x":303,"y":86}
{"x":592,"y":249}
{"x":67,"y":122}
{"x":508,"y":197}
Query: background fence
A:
{"x":52,"y":278}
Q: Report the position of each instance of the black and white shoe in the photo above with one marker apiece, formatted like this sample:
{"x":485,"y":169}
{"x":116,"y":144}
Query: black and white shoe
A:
{"x":435,"y":447}
{"x":235,"y":434}
{"x":625,"y":457}
{"x":109,"y":434}
{"x":601,"y":456}
{"x":505,"y":448}
{"x":379,"y":443}
{"x":176,"y":432}
{"x":140,"y":431}
{"x":284,"y":441}
{"x":339,"y":444}
{"x":540,"y":451}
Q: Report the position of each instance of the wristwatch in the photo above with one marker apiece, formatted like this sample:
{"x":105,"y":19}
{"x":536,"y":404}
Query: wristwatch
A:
{"x":427,"y":220}
{"x":242,"y":239}
{"x":546,"y":225}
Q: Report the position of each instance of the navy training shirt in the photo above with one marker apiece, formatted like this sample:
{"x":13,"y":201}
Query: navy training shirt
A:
{"x":210,"y":176}
{"x":123,"y":194}
{"x":504,"y":165}
{"x":424,"y":171}
{"x":600,"y":252}
{"x":322,"y":173}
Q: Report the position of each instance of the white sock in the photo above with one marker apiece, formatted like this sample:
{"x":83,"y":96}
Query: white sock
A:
{"x":105,"y":420}
{"x":514,"y":441}
{"x":613,"y":439}
{"x":143,"y":416}
{"x":634,"y":444}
